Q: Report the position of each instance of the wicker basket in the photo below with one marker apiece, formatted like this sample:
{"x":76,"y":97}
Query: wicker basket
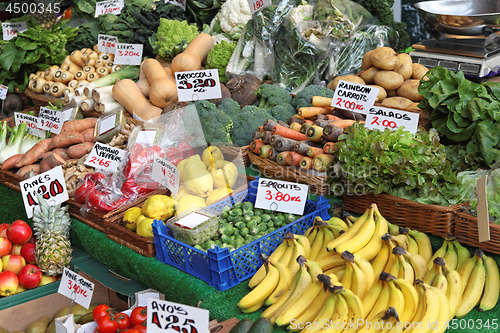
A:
{"x":317,"y":183}
{"x":231,"y":153}
{"x":42,"y":99}
{"x":466,"y":232}
{"x":433,"y":219}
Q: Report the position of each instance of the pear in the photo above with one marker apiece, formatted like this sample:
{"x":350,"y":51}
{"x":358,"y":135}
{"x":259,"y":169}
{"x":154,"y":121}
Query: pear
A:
{"x":52,"y":327}
{"x":215,"y":153}
{"x":145,"y":228}
{"x":182,"y":164}
{"x":197,"y":180}
{"x":159,"y":207}
{"x":62,"y":312}
{"x":182,"y":192}
{"x":130,"y":216}
{"x":39,"y":325}
{"x":87,"y":318}
{"x":217,"y":194}
{"x":3,"y":330}
{"x":222,"y":171}
{"x":190,"y":201}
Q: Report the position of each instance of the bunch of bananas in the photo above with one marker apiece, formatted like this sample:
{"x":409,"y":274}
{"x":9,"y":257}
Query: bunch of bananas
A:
{"x":453,"y":253}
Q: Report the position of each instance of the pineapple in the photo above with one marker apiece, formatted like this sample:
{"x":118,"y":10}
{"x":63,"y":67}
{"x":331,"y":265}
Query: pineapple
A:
{"x":53,"y":247}
{"x":45,"y":13}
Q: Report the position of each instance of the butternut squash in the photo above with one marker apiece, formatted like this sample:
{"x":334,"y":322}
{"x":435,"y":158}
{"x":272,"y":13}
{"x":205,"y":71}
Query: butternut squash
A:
{"x":193,"y":55}
{"x":143,"y":83}
{"x":129,"y":96}
{"x":163,"y":91}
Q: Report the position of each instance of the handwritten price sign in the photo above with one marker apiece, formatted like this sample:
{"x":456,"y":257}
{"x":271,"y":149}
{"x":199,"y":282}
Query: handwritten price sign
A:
{"x":31,"y":123}
{"x":166,"y":174}
{"x":106,"y":43}
{"x":111,"y":6}
{"x":258,"y":5}
{"x":281,"y":196}
{"x":50,"y":185}
{"x":105,"y":157}
{"x":196,"y":85}
{"x":166,"y":316}
{"x":3,"y":92}
{"x":354,"y":97}
{"x":128,"y":54}
{"x":178,"y":3}
{"x":10,"y":30}
{"x":76,"y":288}
{"x":382,"y":118}
{"x":52,"y":120}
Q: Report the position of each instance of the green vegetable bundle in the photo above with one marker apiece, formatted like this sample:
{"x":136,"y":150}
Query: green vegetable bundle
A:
{"x":395,"y":162}
{"x":32,"y":50}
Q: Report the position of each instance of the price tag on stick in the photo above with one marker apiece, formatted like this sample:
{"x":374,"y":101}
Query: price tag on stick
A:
{"x":166,"y":174}
{"x":10,"y":30}
{"x":110,"y":6}
{"x":178,"y":3}
{"x":164,"y":316}
{"x":258,"y":5}
{"x":32,"y":123}
{"x":3,"y":92}
{"x":52,"y":120}
{"x":76,"y":288}
{"x":196,"y":85}
{"x":354,"y":97}
{"x":483,"y":219}
{"x":105,"y":157}
{"x":128,"y":54}
{"x":382,"y":118}
{"x":50,"y":185}
{"x":281,"y":196}
{"x":106,"y":43}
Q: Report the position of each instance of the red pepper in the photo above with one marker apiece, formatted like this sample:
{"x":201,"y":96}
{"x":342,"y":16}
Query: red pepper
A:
{"x":187,"y":150}
{"x":131,"y":189}
{"x":89,"y":183}
{"x":98,"y":199}
{"x":176,"y":161}
{"x":140,"y":158}
{"x":173,"y":153}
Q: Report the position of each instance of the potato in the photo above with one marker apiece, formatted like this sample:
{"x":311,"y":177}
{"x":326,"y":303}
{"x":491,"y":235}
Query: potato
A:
{"x":397,"y":102}
{"x":366,"y":62}
{"x":368,"y":74}
{"x":418,"y":71}
{"x":404,"y":66}
{"x":388,"y":79}
{"x":391,"y":93}
{"x":381,"y":92}
{"x":384,"y":58}
{"x":413,"y":107}
{"x":350,"y":78}
{"x":409,"y":89}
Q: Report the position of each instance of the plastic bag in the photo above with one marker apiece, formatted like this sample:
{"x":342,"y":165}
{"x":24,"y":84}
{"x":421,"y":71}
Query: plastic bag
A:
{"x":493,"y":195}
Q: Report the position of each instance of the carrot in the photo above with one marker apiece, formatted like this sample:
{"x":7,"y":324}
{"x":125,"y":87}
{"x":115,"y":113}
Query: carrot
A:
{"x":34,"y":153}
{"x":266,"y":136}
{"x":293,"y":159}
{"x":79,"y":125}
{"x":88,"y":135}
{"x":25,"y":171}
{"x":273,"y":154}
{"x":295,"y":119}
{"x":11,"y":162}
{"x":349,"y":114}
{"x":269,"y":124}
{"x":288,"y":133}
{"x":321,"y":101}
{"x":264,"y":151}
{"x":343,"y":123}
{"x":305,"y":127}
{"x":260,"y":129}
{"x":256,"y":136}
{"x":331,"y":117}
{"x":332,"y":132}
{"x":322,"y":162}
{"x":307,"y":121}
{"x":66,"y":139}
{"x":283,"y":144}
{"x":255,"y":145}
{"x":328,"y":148}
{"x":282,"y":123}
{"x":306,"y":163}
{"x":311,"y":111}
{"x":295,"y":127}
{"x":314,"y":133}
{"x":301,"y":147}
{"x":281,"y":158}
{"x":313,"y":152}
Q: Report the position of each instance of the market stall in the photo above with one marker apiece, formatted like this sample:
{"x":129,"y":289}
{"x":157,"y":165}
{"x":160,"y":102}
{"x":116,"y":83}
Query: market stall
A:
{"x":293,"y":163}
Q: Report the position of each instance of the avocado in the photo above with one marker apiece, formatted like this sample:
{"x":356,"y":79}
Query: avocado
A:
{"x":261,"y":325}
{"x":242,"y":326}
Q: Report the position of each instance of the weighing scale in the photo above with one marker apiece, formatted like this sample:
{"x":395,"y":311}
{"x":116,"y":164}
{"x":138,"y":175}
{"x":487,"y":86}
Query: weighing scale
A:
{"x":466,"y":36}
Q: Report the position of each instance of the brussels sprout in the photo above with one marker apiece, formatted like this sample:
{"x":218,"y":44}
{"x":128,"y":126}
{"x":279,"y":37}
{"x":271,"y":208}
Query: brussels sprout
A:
{"x":247,"y":206}
{"x":244,"y":232}
{"x":236,"y":212}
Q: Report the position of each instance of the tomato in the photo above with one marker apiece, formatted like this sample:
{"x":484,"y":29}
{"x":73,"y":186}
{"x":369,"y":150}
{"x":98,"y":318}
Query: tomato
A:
{"x":141,"y":328}
{"x":99,"y":311}
{"x":138,"y":315}
{"x":123,"y":321}
{"x":132,"y":330}
{"x":107,"y":324}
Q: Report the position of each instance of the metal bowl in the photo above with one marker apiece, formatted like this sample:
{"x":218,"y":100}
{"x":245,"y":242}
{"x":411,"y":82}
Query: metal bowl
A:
{"x":459,"y":17}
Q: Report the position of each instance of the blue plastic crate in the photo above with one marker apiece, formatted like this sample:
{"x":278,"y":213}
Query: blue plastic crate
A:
{"x":219,"y":267}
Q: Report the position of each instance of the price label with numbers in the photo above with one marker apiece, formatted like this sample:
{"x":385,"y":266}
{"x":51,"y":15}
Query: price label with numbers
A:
{"x":50,"y":185}
{"x":52,"y":120}
{"x":166,"y":174}
{"x":382,"y":118}
{"x":3,"y":92}
{"x":128,"y":54}
{"x":105,"y":157}
{"x":281,"y":196}
{"x":258,"y":5}
{"x":76,"y":288}
{"x":178,"y":3}
{"x":196,"y":85}
{"x":31,"y":122}
{"x":111,"y":6}
{"x":106,"y":43}
{"x":354,"y":97}
{"x":10,"y":30}
{"x":164,"y":316}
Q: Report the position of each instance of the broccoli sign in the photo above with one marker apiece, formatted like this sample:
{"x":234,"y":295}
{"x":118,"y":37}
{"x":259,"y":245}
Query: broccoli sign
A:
{"x":196,"y":85}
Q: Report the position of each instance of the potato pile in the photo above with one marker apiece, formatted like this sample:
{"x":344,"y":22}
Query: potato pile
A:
{"x":394,"y":74}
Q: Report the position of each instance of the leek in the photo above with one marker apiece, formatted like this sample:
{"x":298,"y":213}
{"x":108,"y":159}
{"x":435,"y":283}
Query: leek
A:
{"x":126,"y":72}
{"x":14,"y":145}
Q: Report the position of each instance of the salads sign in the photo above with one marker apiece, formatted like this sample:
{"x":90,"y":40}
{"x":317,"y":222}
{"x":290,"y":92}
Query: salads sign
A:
{"x":166,"y":316}
{"x":166,"y":174}
{"x":31,"y":123}
{"x":258,"y":5}
{"x":10,"y":30}
{"x":277,"y":195}
{"x":76,"y":288}
{"x":50,"y":185}
{"x":111,"y":6}
{"x":197,"y":85}
{"x":178,"y":3}
{"x":354,"y":97}
{"x":381,"y":118}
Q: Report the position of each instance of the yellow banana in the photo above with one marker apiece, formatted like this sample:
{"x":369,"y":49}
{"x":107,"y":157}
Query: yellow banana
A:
{"x":439,"y":253}
{"x":337,"y":230}
{"x":418,"y":264}
{"x":367,"y":269}
{"x":440,"y":281}
{"x":474,"y":288}
{"x":412,"y":245}
{"x":431,"y":274}
{"x":284,"y":283}
{"x":312,"y":311}
{"x":393,"y":229}
{"x":302,"y":240}
{"x":314,"y":269}
{"x":347,"y":277}
{"x":401,"y":240}
{"x":262,"y":291}
{"x":355,"y":306}
{"x":431,"y":311}
{"x":424,"y":244}
{"x":392,"y":323}
{"x":411,"y":300}
{"x":396,"y":297}
{"x":335,"y":221}
{"x":491,"y":285}
{"x":294,"y":266}
{"x":375,"y":325}
{"x":337,"y":271}
{"x":323,"y":315}
{"x":352,"y":231}
{"x":253,"y":308}
{"x":454,"y":292}
{"x":462,"y":253}
{"x":316,"y":244}
{"x":311,"y":233}
{"x":331,"y":261}
{"x":287,"y":256}
{"x":381,"y":303}
{"x":358,"y":241}
{"x":370,"y":250}
{"x":359,"y":283}
{"x":408,"y":272}
{"x":340,"y":314}
{"x":421,"y":308}
{"x":327,"y":238}
{"x":261,"y":272}
{"x":451,"y":256}
{"x":465,"y":271}
{"x":393,"y":265}
{"x":444,"y":317}
{"x":372,"y":295}
{"x":380,"y":261}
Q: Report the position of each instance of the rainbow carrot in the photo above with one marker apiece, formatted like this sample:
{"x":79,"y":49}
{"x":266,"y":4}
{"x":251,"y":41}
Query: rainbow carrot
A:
{"x":288,"y":133}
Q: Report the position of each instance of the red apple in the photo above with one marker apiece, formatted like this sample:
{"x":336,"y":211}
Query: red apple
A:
{"x":32,"y":240}
{"x":5,"y":247}
{"x":28,"y":253}
{"x":13,"y":263}
{"x":47,"y":279}
{"x":8,"y":283}
{"x":3,"y":229}
{"x":30,"y":276}
{"x":19,"y":232}
{"x":16,"y":249}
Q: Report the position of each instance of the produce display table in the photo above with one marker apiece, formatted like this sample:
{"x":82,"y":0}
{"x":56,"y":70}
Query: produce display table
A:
{"x":176,"y":285}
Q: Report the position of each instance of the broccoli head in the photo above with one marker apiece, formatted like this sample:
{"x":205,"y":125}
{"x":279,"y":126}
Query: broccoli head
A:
{"x":229,"y":106}
{"x":283,"y":112}
{"x":216,"y":126}
{"x":218,"y":58}
{"x":246,"y":123}
{"x":172,"y":37}
{"x":271,"y":95}
{"x":303,"y":97}
{"x":203,"y":106}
